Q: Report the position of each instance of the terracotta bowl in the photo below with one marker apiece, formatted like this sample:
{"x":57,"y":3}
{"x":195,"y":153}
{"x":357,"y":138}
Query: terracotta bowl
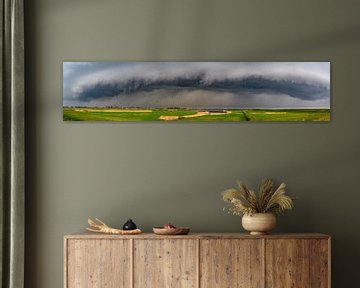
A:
{"x":171,"y":231}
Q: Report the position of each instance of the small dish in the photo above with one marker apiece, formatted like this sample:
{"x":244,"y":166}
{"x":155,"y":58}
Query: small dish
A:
{"x":171,"y":231}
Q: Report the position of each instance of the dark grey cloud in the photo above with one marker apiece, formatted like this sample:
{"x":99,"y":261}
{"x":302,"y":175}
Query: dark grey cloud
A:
{"x":198,"y":84}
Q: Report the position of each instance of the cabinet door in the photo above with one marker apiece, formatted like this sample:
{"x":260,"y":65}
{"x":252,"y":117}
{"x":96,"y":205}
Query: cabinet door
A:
{"x":320,"y":263}
{"x":231,"y":263}
{"x":287,"y":263}
{"x":165,"y":263}
{"x":98,"y":263}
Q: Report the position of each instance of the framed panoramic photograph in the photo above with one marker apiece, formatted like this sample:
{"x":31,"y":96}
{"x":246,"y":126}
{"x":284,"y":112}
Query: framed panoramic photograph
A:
{"x":196,"y":91}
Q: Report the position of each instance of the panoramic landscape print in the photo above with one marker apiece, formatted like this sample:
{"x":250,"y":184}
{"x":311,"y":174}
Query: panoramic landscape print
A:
{"x":196,"y":91}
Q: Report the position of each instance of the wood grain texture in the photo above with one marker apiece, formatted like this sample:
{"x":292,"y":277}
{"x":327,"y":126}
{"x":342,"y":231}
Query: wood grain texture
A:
{"x":231,"y":263}
{"x":197,"y":260}
{"x":98,"y":264}
{"x":287,"y":263}
{"x":88,"y":235}
{"x":166,"y":263}
{"x":66,"y":262}
{"x":319,"y":263}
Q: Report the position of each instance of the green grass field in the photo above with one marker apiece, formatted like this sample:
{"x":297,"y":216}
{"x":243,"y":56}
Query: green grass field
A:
{"x":185,"y":115}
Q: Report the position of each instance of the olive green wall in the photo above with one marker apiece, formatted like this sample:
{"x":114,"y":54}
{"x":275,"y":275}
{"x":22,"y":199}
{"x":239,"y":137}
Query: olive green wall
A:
{"x":156,"y":173}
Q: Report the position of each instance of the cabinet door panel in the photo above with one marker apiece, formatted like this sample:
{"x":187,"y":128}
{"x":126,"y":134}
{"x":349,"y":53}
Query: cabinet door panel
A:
{"x":319,"y":263}
{"x":165,"y":263}
{"x":230,"y":263}
{"x":287,"y":263}
{"x":98,"y":263}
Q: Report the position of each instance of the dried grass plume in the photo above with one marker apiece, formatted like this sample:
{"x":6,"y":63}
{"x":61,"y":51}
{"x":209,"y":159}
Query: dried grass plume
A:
{"x":267,"y":200}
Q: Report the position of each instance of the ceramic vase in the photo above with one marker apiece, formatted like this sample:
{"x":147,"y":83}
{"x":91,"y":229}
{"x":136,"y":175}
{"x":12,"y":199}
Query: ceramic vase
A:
{"x":259,"y":223}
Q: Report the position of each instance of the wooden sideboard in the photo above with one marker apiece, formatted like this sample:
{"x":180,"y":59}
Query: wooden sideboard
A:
{"x":197,"y":260}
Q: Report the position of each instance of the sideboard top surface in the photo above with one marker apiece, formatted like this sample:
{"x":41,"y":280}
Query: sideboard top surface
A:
{"x":87,"y":235}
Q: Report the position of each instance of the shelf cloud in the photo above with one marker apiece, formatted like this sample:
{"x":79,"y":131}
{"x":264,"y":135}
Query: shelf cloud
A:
{"x":197,"y":84}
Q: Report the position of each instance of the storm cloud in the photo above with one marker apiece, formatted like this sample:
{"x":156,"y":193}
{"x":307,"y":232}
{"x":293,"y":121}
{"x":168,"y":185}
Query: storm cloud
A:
{"x":197,"y":84}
